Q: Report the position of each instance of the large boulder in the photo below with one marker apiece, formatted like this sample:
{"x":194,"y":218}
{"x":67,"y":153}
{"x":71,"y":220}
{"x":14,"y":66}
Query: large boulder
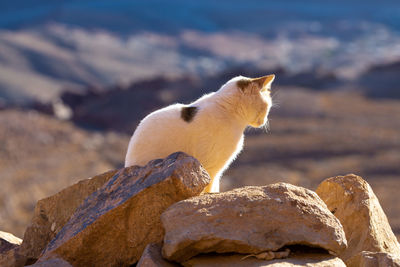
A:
{"x":373,"y":259}
{"x":354,"y":203}
{"x":53,"y":212}
{"x":113,"y":225}
{"x":252,"y":220}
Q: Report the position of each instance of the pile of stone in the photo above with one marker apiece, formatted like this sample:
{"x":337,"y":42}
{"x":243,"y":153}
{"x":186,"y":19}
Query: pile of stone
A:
{"x":156,"y":216}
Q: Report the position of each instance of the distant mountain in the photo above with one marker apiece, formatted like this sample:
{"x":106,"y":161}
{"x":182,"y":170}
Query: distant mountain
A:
{"x":49,"y":47}
{"x":382,"y":81}
{"x":39,"y":64}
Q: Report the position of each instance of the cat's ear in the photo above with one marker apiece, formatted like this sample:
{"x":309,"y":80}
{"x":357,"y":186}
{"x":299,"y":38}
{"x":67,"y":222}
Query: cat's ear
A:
{"x":264,"y":81}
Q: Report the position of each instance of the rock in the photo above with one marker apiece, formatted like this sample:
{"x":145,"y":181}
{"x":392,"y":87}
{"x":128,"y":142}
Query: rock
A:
{"x":9,"y":245}
{"x":250,"y":220}
{"x":310,"y":260}
{"x":8,"y":241}
{"x":269,"y":255}
{"x":152,"y":257}
{"x":373,"y":259}
{"x":52,"y":213}
{"x":114,"y":225}
{"x":354,"y":203}
{"x":11,"y":258}
{"x":52,"y":263}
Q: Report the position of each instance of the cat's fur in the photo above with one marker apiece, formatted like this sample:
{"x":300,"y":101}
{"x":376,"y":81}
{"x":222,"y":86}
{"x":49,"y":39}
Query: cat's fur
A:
{"x":209,"y":129}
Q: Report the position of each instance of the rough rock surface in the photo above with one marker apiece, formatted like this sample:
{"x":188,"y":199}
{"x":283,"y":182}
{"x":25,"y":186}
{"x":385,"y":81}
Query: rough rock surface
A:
{"x":152,"y":257}
{"x":310,"y":260}
{"x":8,"y":241}
{"x":52,"y":213}
{"x":11,"y":258}
{"x":114,"y":224}
{"x":250,"y":220}
{"x":373,"y":259}
{"x":354,"y":203}
{"x":54,"y":262}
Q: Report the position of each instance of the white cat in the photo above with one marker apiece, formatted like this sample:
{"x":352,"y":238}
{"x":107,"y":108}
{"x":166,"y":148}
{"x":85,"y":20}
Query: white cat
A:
{"x":209,"y":129}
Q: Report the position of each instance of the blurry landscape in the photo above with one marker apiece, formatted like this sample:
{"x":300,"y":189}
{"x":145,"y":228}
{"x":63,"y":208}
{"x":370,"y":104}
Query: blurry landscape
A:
{"x":77,"y":77}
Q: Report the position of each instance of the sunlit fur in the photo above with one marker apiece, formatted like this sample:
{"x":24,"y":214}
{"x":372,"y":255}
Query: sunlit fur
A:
{"x":214,"y":136}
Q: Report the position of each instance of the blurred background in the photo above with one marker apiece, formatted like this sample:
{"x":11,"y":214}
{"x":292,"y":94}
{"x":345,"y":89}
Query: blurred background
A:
{"x":76,"y":77}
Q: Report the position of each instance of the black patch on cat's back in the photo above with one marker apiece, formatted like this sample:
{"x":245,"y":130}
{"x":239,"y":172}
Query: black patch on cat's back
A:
{"x":188,"y":113}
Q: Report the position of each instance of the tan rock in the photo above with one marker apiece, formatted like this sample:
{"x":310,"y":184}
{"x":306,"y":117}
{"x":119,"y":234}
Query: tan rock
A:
{"x":152,"y":257}
{"x":114,"y":225}
{"x":52,"y":213}
{"x":354,"y":203}
{"x":373,"y":259}
{"x":8,"y":241}
{"x":309,"y":260}
{"x":250,"y":220}
{"x":269,"y":255}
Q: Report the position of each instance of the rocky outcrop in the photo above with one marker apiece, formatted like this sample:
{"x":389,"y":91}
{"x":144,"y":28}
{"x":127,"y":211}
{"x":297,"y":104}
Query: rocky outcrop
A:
{"x":152,"y":257}
{"x":113,"y":225}
{"x":354,"y":203}
{"x":52,"y":213}
{"x":155,"y":214}
{"x":250,"y":220}
{"x":373,"y":259}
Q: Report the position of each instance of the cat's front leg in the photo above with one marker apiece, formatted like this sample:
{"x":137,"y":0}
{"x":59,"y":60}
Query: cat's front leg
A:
{"x":207,"y":189}
{"x":213,"y":186}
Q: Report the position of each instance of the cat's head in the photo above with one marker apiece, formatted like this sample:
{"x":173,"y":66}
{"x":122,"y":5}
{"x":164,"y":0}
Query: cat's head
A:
{"x":253,"y":97}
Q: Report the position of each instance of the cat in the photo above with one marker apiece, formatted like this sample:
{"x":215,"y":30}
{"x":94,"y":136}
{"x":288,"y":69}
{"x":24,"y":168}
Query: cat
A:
{"x":209,"y":129}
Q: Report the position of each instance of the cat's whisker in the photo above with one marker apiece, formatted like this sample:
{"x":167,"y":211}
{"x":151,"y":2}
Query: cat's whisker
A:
{"x":276,"y":104}
{"x":274,"y":94}
{"x":266,"y":127}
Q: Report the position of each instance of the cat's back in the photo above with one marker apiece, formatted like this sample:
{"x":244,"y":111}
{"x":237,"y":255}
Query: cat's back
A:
{"x":161,"y":120}
{"x":168,"y":112}
{"x":157,"y":135}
